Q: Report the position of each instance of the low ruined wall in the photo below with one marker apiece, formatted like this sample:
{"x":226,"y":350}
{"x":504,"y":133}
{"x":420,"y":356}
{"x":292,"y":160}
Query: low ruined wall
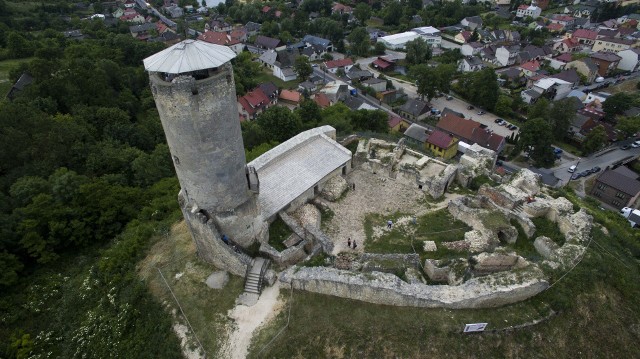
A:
{"x":498,"y":197}
{"x":384,"y":288}
{"x":388,"y":262}
{"x":289,"y":256}
{"x":310,"y":233}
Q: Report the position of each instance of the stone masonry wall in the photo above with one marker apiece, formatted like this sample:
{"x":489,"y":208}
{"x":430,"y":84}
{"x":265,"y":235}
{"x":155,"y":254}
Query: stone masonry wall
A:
{"x":384,"y":288}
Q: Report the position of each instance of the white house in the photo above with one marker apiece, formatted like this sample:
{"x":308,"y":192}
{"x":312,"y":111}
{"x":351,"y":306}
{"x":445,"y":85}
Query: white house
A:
{"x":471,"y":48}
{"x":398,"y":41}
{"x":470,"y":64}
{"x":630,"y":59}
{"x":528,"y":10}
{"x":506,"y":56}
{"x":554,"y":88}
{"x":430,"y":34}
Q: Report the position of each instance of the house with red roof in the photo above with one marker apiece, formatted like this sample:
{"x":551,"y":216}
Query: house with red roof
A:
{"x":290,"y":98}
{"x":567,"y":22}
{"x":221,"y":38}
{"x":334,"y":65}
{"x":341,"y":9}
{"x":442,"y":144}
{"x":585,"y":37}
{"x":383,"y":64}
{"x":397,"y":123}
{"x":252,"y":104}
{"x":555,"y":27}
{"x":463,"y":37}
{"x":530,"y":68}
{"x":322,"y":100}
{"x":567,"y":45}
{"x":470,"y":132}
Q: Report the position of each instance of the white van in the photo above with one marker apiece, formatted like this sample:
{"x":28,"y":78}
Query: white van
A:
{"x":572,"y":169}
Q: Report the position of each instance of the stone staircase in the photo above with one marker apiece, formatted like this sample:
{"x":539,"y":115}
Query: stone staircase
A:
{"x":518,"y":208}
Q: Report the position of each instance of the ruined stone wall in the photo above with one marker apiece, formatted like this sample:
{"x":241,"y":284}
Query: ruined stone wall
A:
{"x":289,"y":256}
{"x":498,"y":197}
{"x":210,"y":247}
{"x":384,"y":288}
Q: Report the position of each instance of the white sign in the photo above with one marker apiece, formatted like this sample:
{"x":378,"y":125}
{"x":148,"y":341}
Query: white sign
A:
{"x":476,"y":327}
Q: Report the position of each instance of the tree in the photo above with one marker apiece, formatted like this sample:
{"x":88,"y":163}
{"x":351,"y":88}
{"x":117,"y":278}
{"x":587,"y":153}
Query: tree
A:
{"x":628,"y":125}
{"x":392,"y":13}
{"x":418,"y":51}
{"x":474,"y":36}
{"x":535,"y":138}
{"x":540,"y":109}
{"x":426,"y":80}
{"x":309,"y":113}
{"x":444,"y":74}
{"x":362,"y":12}
{"x":594,"y":140}
{"x":359,"y":41}
{"x":503,"y":105}
{"x":485,"y":89}
{"x":302,"y":67}
{"x":561,"y":116}
{"x":380,"y":49}
{"x":617,"y":104}
{"x":279,"y":123}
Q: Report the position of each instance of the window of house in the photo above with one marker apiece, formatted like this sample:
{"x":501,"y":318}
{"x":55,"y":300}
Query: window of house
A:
{"x":601,"y":186}
{"x":620,"y":195}
{"x":615,"y":203}
{"x":597,"y":194}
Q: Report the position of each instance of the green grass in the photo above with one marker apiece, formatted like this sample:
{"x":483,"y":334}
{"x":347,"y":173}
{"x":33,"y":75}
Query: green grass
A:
{"x":438,"y":226}
{"x":545,"y":227}
{"x":5,"y":67}
{"x":523,"y":245}
{"x":268,"y":77}
{"x":278,"y":233}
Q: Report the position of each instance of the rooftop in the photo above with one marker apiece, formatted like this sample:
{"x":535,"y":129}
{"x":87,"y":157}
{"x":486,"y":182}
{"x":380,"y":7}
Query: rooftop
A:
{"x":187,"y":56}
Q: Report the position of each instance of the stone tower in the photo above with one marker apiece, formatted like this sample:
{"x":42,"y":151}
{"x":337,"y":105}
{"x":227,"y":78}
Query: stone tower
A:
{"x":193,"y":87}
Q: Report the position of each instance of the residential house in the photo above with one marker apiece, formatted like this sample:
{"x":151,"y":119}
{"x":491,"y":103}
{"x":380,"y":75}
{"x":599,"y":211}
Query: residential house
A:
{"x":322,"y":100}
{"x":417,"y":135}
{"x":506,"y":55}
{"x":606,"y":62}
{"x":336,"y":91}
{"x":290,"y":98}
{"x":218,"y":25}
{"x":334,"y":65}
{"x":528,"y":11}
{"x":629,"y":59}
{"x":357,"y":103}
{"x":570,"y":75}
{"x":397,"y":124}
{"x":470,"y":132}
{"x":323,"y":45}
{"x":415,"y":110}
{"x":553,"y":27}
{"x":530,"y":96}
{"x":270,"y":90}
{"x":532,"y":52}
{"x":142,"y":31}
{"x":585,"y":37}
{"x":617,"y":187}
{"x":567,"y":45}
{"x":341,"y":9}
{"x":513,"y":76}
{"x":222,"y":38}
{"x":597,"y":99}
{"x":463,"y":37}
{"x":378,"y":85}
{"x":252,"y":104}
{"x":280,"y":63}
{"x":612,"y":44}
{"x":442,"y":144}
{"x":307,"y":86}
{"x":131,"y":15}
{"x":471,"y":48}
{"x":429,"y":34}
{"x":530,"y":68}
{"x":586,"y":67}
{"x":357,"y":75}
{"x":581,"y":11}
{"x":267,"y":43}
{"x":239,"y":34}
{"x":472,"y":22}
{"x":383,"y":64}
{"x":560,"y":62}
{"x":567,"y":22}
{"x":74,"y":35}
{"x":117,"y":13}
{"x":253,"y":28}
{"x":174,"y":11}
{"x":470,"y":64}
{"x":391,"y":96}
{"x":553,"y":88}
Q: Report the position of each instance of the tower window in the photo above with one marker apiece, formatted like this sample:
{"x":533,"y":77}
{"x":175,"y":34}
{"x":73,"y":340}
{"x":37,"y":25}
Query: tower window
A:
{"x":176,"y":160}
{"x":194,"y":90}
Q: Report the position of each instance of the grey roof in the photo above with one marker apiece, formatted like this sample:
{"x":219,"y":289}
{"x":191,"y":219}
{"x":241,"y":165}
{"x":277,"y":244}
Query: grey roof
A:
{"x":474,"y":19}
{"x":633,"y":111}
{"x":288,"y":72}
{"x":448,"y":110}
{"x":605,"y":56}
{"x":417,"y":132}
{"x":268,"y":88}
{"x":269,"y":57}
{"x":188,"y":55}
{"x":142,"y":27}
{"x":373,"y":81}
{"x":353,"y":102}
{"x":533,"y":93}
{"x":619,"y":180}
{"x":307,"y":85}
{"x":253,"y":26}
{"x":473,"y":61}
{"x":354,"y":72}
{"x":267,"y":42}
{"x":415,"y":107}
{"x":314,"y":40}
{"x":295,"y":166}
{"x":546,"y":175}
{"x":570,"y":75}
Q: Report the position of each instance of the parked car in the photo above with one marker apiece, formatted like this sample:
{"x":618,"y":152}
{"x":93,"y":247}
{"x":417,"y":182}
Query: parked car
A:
{"x":470,"y":107}
{"x":513,"y":127}
{"x":636,"y":144}
{"x":585,"y":173}
{"x":595,"y":169}
{"x":625,"y":147}
{"x":575,"y":176}
{"x":449,"y":97}
{"x":481,"y":113}
{"x":572,"y":168}
{"x":498,"y":120}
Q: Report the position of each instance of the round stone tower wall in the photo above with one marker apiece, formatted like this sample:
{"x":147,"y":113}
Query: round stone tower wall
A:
{"x":200,"y":121}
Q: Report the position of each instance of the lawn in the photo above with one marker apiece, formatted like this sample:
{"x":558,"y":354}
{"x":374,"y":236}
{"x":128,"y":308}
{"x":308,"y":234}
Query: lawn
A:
{"x":278,"y":233}
{"x":268,"y":77}
{"x":5,"y":67}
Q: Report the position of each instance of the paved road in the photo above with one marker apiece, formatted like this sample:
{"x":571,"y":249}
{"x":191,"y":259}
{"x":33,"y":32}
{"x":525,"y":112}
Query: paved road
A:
{"x":602,"y":159}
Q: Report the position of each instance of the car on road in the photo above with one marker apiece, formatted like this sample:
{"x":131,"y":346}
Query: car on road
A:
{"x":636,"y":144}
{"x":470,"y":107}
{"x":625,"y":147}
{"x":575,"y":176}
{"x":585,"y":173}
{"x":595,"y":169}
{"x":449,"y":97}
{"x":481,"y":113}
{"x":572,"y":168}
{"x":512,"y":127}
{"x":498,"y":120}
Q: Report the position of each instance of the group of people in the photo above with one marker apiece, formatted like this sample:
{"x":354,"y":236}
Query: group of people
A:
{"x":349,"y":243}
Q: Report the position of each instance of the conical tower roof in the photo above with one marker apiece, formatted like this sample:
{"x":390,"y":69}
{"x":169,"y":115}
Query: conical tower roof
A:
{"x":188,"y":55}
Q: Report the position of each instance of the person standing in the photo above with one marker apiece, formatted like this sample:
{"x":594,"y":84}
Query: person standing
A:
{"x":349,"y":242}
{"x":389,"y":224}
{"x":354,"y":244}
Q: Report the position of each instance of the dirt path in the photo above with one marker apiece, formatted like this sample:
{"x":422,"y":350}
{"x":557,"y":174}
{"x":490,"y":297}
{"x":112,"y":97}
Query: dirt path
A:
{"x":248,"y":319}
